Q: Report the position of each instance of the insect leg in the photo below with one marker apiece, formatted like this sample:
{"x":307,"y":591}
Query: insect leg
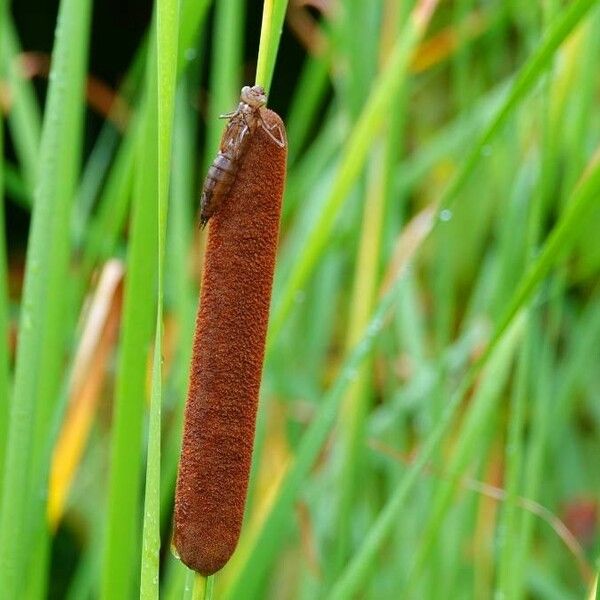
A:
{"x":245,"y":130}
{"x":279,"y":140}
{"x":229,"y":115}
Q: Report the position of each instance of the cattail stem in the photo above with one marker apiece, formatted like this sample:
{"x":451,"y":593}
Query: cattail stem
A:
{"x":227,"y":358}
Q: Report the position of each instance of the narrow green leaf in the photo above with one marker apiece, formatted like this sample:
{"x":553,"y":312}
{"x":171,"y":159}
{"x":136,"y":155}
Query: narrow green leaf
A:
{"x":122,"y":546}
{"x":558,"y":242}
{"x":473,"y":427}
{"x":4,"y":313}
{"x":371,"y":119}
{"x":354,"y":154}
{"x":270,"y":33}
{"x":41,"y":336}
{"x":166,"y":44}
{"x":24,"y":118}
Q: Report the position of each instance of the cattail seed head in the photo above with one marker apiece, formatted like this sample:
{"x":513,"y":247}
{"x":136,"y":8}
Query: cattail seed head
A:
{"x":228,"y":357}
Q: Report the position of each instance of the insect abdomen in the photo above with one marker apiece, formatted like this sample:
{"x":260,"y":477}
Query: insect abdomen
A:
{"x":219,"y":180}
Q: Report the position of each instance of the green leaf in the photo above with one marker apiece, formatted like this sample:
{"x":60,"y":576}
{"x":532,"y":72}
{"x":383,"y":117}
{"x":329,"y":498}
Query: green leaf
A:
{"x":166,"y":43}
{"x":270,"y":33}
{"x":42,"y":338}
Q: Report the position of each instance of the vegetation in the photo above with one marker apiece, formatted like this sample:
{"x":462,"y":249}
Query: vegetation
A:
{"x":429,"y":415}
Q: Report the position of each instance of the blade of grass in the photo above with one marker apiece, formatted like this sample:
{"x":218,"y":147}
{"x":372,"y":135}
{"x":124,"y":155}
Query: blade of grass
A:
{"x":4,"y":312}
{"x":560,"y":239}
{"x":354,"y":154}
{"x":359,"y":20}
{"x":24,"y":118}
{"x":181,"y":295}
{"x":225,"y":70}
{"x":366,"y":282}
{"x":307,"y":99}
{"x":99,"y":330}
{"x":83,"y":580}
{"x":166,"y":45}
{"x":584,"y":341}
{"x":542,"y":399}
{"x":203,"y":587}
{"x":15,"y":185}
{"x":355,"y":407}
{"x":174,"y":579}
{"x":373,"y":115}
{"x":305,"y":175}
{"x":101,"y":234}
{"x":93,"y":177}
{"x":106,"y":145}
{"x":472,"y":430}
{"x":149,"y":579}
{"x":188,"y":589}
{"x":510,"y":578}
{"x":121,"y":550}
{"x":584,"y":91}
{"x":42,"y":339}
{"x":191,"y":19}
{"x":514,"y":448}
{"x":270,"y":33}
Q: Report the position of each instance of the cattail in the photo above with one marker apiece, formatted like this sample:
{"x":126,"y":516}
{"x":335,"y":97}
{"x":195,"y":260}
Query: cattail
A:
{"x":228,"y":354}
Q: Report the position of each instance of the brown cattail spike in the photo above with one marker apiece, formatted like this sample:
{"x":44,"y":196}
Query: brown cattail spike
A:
{"x":228,"y":356}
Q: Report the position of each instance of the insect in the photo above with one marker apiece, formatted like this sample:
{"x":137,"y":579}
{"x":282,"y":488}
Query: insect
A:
{"x":243,"y":123}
